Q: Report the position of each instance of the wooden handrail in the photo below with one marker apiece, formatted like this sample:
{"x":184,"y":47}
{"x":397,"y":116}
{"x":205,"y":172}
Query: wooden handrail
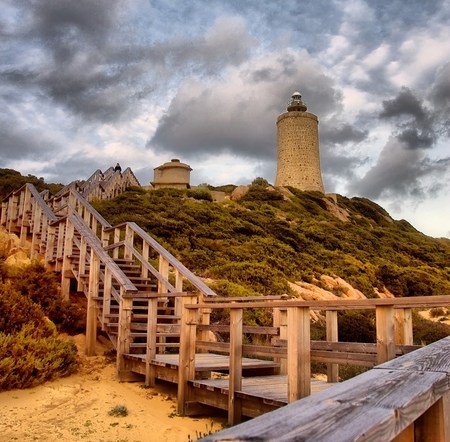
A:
{"x":41,"y":202}
{"x":193,"y":279}
{"x":340,"y":304}
{"x":410,"y":394}
{"x":93,"y":242}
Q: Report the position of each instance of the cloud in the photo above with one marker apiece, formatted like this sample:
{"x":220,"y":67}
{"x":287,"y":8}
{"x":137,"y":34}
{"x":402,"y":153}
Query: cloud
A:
{"x":237,"y":112}
{"x":402,"y":172}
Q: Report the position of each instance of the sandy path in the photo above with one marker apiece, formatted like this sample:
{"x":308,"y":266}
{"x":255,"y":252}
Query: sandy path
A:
{"x":76,"y":408}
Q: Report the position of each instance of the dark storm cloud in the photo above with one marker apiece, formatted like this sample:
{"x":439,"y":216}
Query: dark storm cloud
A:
{"x":417,"y":132}
{"x":238,"y":115}
{"x":399,"y":172}
{"x":439,"y":96}
{"x":341,"y":133}
{"x":95,"y":67}
{"x":18,"y":142}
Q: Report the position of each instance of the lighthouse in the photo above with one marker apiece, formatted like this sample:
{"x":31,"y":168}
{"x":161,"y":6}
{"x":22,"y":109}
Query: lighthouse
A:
{"x":298,"y":156}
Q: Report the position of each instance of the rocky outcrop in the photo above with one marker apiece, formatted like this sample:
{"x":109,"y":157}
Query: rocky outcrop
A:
{"x":239,"y":193}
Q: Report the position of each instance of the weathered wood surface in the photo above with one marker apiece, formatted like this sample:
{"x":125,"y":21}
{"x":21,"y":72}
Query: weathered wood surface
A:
{"x":375,"y":406}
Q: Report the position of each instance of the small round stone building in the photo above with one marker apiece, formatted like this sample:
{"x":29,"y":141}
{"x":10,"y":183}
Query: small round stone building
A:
{"x":298,"y":162}
{"x":174,"y":174}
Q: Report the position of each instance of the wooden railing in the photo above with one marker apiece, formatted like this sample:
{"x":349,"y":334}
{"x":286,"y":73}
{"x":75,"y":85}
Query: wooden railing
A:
{"x":292,"y":338}
{"x":406,"y":399}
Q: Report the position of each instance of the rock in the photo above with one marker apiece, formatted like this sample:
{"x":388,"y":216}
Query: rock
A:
{"x":239,"y":192}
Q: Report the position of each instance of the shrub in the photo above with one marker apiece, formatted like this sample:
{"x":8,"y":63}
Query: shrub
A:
{"x":28,"y":358}
{"x":200,"y":194}
{"x":42,"y":288}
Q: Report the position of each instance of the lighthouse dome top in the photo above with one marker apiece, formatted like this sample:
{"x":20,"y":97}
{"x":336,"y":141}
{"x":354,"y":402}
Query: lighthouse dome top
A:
{"x":296,"y":103}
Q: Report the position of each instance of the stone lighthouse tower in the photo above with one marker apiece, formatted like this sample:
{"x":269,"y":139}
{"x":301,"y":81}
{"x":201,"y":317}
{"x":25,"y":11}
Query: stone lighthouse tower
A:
{"x":298,"y":162}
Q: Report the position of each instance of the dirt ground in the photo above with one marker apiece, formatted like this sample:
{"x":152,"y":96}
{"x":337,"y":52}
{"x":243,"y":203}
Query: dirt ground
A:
{"x":76,"y":409}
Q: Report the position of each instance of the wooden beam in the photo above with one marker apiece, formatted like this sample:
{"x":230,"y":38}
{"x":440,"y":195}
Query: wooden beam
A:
{"x":299,"y":358}
{"x":235,"y":377}
{"x":150,"y":354}
{"x":186,"y":369}
{"x":385,"y":333}
{"x":91,"y":320}
{"x":332,"y":335}
{"x":403,"y":326}
{"x":434,"y":424}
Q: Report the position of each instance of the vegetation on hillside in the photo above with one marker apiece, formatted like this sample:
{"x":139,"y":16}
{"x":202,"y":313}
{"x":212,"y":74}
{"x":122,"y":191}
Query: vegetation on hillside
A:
{"x":264,"y":240}
{"x":32,"y":314}
{"x":11,"y":180}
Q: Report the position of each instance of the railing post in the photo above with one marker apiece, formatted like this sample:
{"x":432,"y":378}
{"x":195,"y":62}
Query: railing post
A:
{"x":50,"y":244}
{"x":434,"y":424}
{"x":280,"y":320}
{"x":186,"y":369}
{"x":403,"y":326}
{"x":129,"y":238}
{"x":82,"y":266}
{"x":385,"y":333}
{"x":36,"y":229}
{"x":25,"y":221}
{"x":116,"y":240}
{"x":124,"y":336}
{"x":179,"y":288}
{"x":235,"y":379}
{"x":91,"y":321}
{"x":106,"y":305}
{"x":150,"y":369}
{"x":59,"y":246}
{"x":145,"y":255}
{"x":164,"y":271}
{"x":66,"y":268}
{"x":332,"y":335}
{"x":299,"y":353}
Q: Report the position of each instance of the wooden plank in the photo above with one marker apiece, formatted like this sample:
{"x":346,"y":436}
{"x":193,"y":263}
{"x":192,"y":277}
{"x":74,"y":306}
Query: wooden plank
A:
{"x":374,"y":406}
{"x":235,"y":378}
{"x":186,"y":362}
{"x":403,"y":326}
{"x":433,"y":425}
{"x":91,"y":320}
{"x":150,"y":371}
{"x":343,"y":304}
{"x":298,"y":358}
{"x":332,"y":335}
{"x":385,"y":333}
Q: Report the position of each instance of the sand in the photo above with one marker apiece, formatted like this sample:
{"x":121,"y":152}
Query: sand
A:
{"x":76,"y":408}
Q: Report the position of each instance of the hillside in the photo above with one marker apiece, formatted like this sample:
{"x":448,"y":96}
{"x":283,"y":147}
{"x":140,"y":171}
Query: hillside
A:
{"x":267,"y":240}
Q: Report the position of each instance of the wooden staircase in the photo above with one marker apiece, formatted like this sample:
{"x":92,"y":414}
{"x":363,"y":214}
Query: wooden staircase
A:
{"x":134,"y":287}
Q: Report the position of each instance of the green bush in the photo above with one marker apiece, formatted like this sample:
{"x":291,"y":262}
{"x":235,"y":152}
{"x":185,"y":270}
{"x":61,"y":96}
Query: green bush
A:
{"x":41,"y":287}
{"x":200,"y":194}
{"x":29,"y":358}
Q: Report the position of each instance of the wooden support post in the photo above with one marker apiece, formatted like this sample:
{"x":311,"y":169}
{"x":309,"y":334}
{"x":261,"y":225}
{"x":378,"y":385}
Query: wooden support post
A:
{"x":145,"y":254}
{"x":26,"y":206}
{"x":50,"y":245}
{"x":280,"y":320}
{"x":124,"y":338}
{"x":385,"y":333}
{"x":82,"y":266}
{"x":164,"y":271}
{"x":59,"y":246}
{"x":179,"y":288}
{"x":150,"y":370}
{"x":12,"y":209}
{"x":116,"y":240}
{"x":403,"y":326}
{"x":299,"y":353}
{"x":91,"y":321}
{"x":4,"y":213}
{"x":66,"y":269}
{"x":36,"y":230}
{"x":186,"y":369}
{"x":407,"y":435}
{"x":105,"y":238}
{"x":434,"y":424}
{"x":106,"y":304}
{"x":235,"y":379}
{"x":332,"y":335}
{"x":129,"y":239}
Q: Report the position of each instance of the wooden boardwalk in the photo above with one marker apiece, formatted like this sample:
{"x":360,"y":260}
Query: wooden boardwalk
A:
{"x":136,"y":294}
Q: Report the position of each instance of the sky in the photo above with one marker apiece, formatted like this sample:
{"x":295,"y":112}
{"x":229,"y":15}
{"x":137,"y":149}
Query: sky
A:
{"x":85,"y":84}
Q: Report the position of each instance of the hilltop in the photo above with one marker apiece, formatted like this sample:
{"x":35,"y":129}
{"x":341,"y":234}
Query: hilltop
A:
{"x":272,"y":241}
